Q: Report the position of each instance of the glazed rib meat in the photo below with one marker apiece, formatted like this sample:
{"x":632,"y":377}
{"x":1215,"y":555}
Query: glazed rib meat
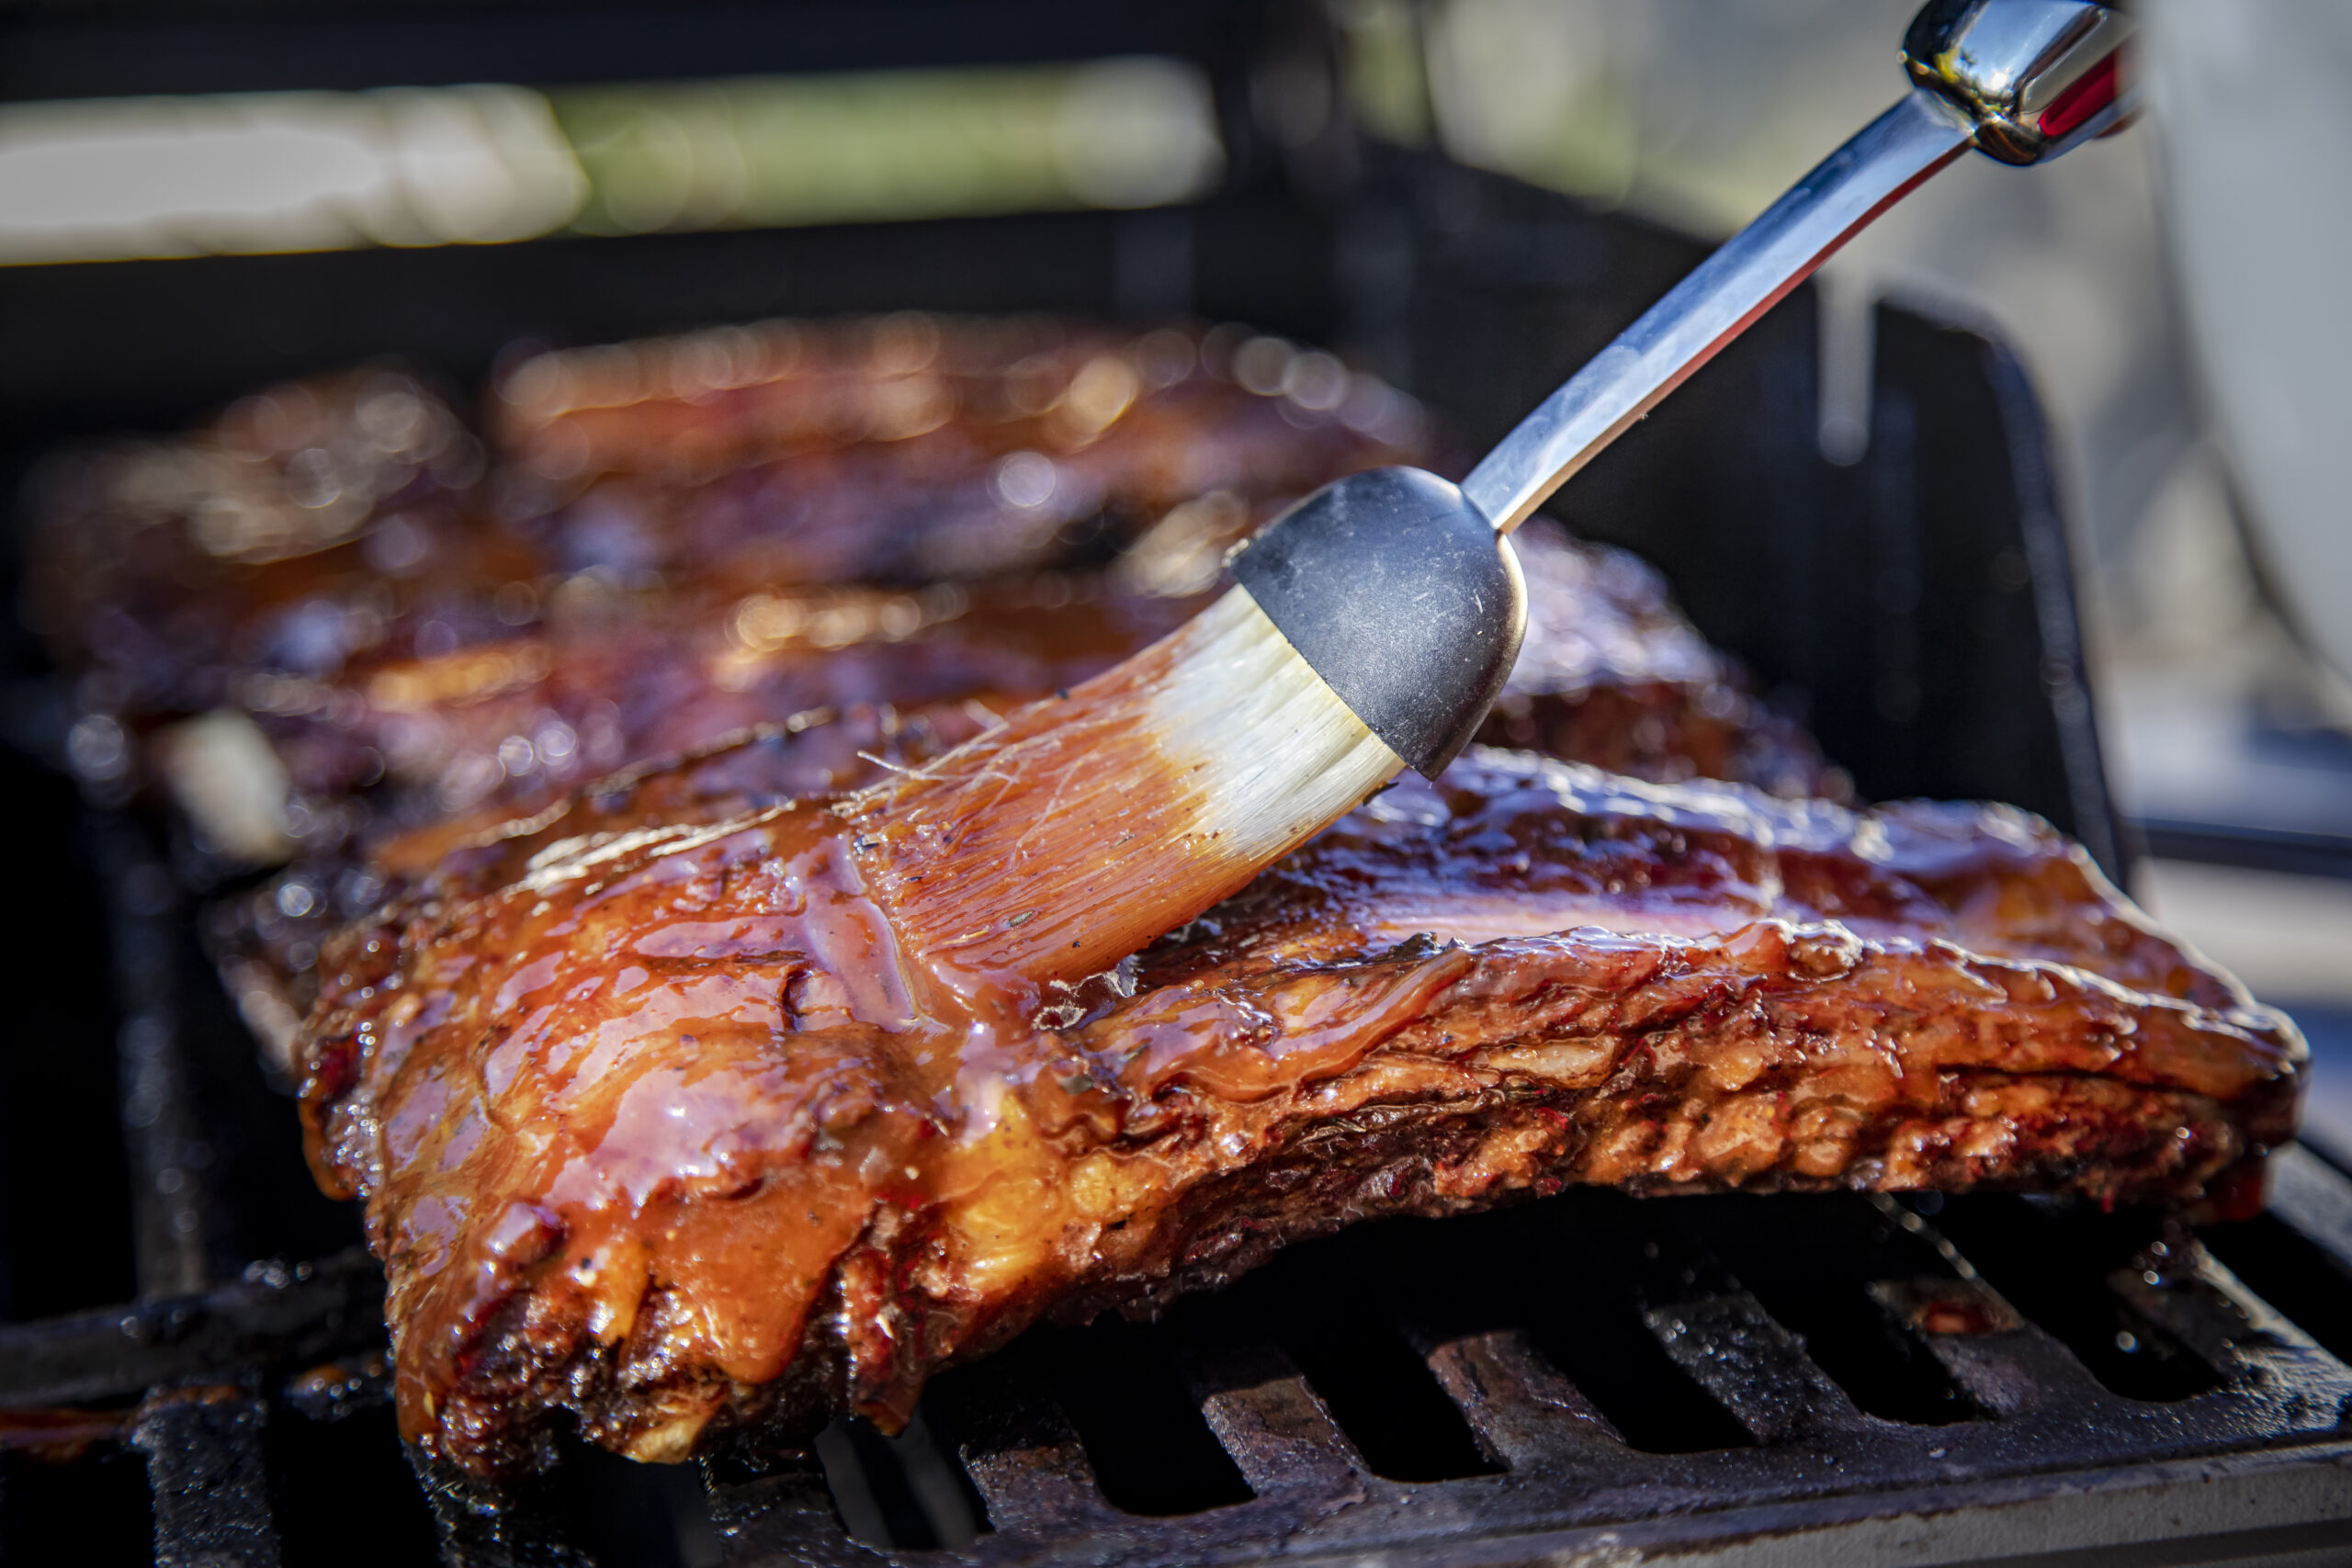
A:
{"x":654,"y":1128}
{"x":344,"y":625}
{"x":1610,"y":673}
{"x":641,"y":547}
{"x":389,"y":615}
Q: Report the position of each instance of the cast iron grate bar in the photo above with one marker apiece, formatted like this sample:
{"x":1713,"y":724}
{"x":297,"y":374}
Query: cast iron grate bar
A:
{"x":1020,"y":1449}
{"x":479,"y":1525}
{"x":171,"y":1198}
{"x":1523,"y":1411}
{"x":275,"y":1317}
{"x":1754,"y":1368}
{"x":1279,"y":1431}
{"x":208,"y":1479}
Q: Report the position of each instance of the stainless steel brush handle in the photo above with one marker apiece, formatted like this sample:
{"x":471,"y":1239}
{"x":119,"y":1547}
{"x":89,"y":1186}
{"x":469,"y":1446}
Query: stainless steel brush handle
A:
{"x":1392,"y":586}
{"x":2022,"y":81}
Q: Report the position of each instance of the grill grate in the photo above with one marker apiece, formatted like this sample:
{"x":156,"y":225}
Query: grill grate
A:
{"x":1584,"y":1370}
{"x":2029,"y":1407}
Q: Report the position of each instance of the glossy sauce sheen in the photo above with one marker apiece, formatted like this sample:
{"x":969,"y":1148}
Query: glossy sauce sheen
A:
{"x":655,"y":1122}
{"x":1611,"y":674}
{"x":998,"y":860}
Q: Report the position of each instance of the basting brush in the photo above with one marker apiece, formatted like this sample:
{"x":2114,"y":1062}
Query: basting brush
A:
{"x":1086,"y":825}
{"x":1374,"y":624}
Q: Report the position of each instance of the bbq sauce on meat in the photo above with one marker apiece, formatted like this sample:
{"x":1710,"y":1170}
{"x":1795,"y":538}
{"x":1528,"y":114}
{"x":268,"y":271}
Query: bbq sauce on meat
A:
{"x":665,"y":1072}
{"x":657,"y":1124}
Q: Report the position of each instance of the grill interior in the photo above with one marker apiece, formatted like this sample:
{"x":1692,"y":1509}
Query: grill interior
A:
{"x":1914,"y":1381}
{"x":1587,"y":1370}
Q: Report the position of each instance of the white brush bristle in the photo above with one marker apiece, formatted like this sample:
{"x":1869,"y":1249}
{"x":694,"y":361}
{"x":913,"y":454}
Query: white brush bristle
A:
{"x":1089,"y":823}
{"x":1280,"y":755}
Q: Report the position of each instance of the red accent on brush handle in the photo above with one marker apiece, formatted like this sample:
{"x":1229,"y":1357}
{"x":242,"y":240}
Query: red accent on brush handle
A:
{"x":2078,"y":103}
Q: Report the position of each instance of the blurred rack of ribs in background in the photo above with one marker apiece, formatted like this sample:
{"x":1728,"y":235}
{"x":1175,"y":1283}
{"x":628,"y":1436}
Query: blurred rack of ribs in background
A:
{"x":341,"y":627}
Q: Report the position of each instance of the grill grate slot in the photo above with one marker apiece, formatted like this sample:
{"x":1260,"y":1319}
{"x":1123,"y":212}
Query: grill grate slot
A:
{"x":330,"y":1482}
{"x":1602,"y":1346}
{"x":1335,"y":1314}
{"x":1814,"y":1279}
{"x":2055,"y":1263}
{"x":207,"y":1478}
{"x":98,"y":1503}
{"x":2294,"y":1275}
{"x":1886,"y":1372}
{"x":616,"y":1512}
{"x":1589,"y":1276}
{"x":1152,"y":1451}
{"x":907,"y":1491}
{"x":58,"y":1082}
{"x":1386,"y":1400}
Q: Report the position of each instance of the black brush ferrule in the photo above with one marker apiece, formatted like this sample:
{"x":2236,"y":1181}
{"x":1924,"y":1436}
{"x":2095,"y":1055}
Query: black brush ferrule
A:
{"x":1401,"y":595}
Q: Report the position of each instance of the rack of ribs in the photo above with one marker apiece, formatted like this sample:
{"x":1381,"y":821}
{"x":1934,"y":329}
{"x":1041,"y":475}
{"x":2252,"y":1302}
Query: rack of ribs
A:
{"x":348,"y":614}
{"x":358,"y":618}
{"x":657,"y":1133}
{"x":654,"y":1127}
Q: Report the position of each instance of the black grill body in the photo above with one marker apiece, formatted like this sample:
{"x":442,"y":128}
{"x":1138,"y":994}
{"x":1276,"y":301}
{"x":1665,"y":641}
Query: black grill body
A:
{"x":1583,"y":1379}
